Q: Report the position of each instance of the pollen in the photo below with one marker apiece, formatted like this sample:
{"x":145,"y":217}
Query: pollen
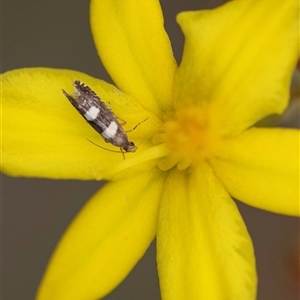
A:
{"x":188,"y":136}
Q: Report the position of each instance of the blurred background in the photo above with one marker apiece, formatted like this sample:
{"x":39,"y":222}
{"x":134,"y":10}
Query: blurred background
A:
{"x":36,"y":212}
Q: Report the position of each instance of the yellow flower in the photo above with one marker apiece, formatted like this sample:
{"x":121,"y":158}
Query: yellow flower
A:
{"x":198,"y":148}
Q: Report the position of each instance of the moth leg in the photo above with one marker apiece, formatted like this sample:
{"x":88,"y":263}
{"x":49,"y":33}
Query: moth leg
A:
{"x":121,"y":121}
{"x":122,"y":153}
{"x":136,"y":125}
{"x":108,"y":105}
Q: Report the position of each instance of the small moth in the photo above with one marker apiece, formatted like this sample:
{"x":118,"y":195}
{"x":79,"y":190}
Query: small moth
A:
{"x":99,"y":116}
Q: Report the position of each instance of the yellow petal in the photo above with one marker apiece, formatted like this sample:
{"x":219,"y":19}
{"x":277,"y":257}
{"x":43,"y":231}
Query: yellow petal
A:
{"x":261,"y":168}
{"x":135,"y":49}
{"x":204,"y":250}
{"x":238,"y":60}
{"x":44,"y":136}
{"x":105,"y":241}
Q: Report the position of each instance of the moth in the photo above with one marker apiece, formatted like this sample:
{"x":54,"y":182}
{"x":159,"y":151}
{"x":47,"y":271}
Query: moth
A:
{"x":100,"y":117}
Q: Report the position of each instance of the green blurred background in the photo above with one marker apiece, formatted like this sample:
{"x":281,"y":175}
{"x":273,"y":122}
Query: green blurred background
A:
{"x":36,"y":212}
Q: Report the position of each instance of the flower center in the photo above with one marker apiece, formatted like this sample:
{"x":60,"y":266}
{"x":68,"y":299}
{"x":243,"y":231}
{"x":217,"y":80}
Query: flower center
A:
{"x":188,"y":137}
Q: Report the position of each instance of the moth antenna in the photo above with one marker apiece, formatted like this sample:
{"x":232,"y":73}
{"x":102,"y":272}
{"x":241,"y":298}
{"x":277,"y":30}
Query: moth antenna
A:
{"x":107,"y":149}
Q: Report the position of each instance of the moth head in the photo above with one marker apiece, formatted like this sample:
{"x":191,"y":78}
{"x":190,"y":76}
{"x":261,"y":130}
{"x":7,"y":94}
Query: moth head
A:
{"x":130,"y":147}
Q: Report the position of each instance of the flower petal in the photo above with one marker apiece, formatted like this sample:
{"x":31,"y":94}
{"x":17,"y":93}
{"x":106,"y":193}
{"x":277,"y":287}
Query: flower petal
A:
{"x":105,"y":241}
{"x":239,"y":59}
{"x":44,"y":136}
{"x":261,"y":168}
{"x":135,"y":49}
{"x":204,"y":250}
